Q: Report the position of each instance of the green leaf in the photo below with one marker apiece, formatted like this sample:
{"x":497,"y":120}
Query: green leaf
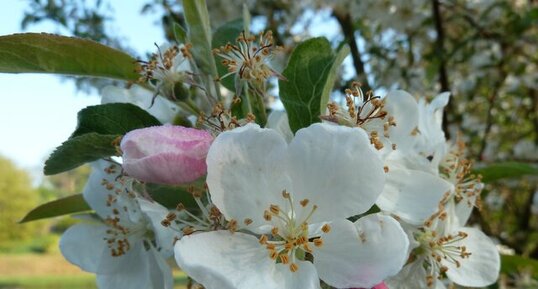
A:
{"x":170,"y":196}
{"x":113,"y":119}
{"x":199,"y":34}
{"x":227,"y":33}
{"x":48,"y":53}
{"x":511,"y":264}
{"x":80,"y":150}
{"x":179,"y":33}
{"x":64,"y":206}
{"x":505,"y":170}
{"x":309,"y":77}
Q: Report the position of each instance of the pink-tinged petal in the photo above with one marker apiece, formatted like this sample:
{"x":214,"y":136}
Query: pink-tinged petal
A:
{"x":166,"y":154}
{"x":378,"y":286}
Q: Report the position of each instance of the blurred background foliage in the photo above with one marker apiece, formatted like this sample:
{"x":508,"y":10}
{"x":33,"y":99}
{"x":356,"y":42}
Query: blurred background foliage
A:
{"x":485,"y":52}
{"x":18,"y":196}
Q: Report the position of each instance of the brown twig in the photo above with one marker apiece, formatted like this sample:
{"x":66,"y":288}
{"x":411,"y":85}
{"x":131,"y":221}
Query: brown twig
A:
{"x":346,"y":24}
{"x":440,"y":51}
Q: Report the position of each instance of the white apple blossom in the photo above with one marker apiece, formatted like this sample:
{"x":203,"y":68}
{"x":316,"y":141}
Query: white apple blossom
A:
{"x":116,"y":245}
{"x":413,"y":168}
{"x":169,"y":71}
{"x":162,"y":109}
{"x":446,"y":253}
{"x":289,"y":204}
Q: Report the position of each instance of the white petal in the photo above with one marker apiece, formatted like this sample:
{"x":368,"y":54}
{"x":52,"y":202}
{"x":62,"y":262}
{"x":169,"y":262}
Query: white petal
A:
{"x":403,"y":107}
{"x":85,"y":246}
{"x":437,"y":105}
{"x":412,"y":195}
{"x":412,"y":276}
{"x":149,"y":271}
{"x":336,"y":168}
{"x":278,"y":120}
{"x":224,"y":260}
{"x":482,"y":267}
{"x":162,"y":109}
{"x":163,"y":236}
{"x":245,"y":172}
{"x":95,"y":193}
{"x":361,"y":254}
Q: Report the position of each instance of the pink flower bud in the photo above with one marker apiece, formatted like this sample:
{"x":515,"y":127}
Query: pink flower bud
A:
{"x":165,"y":154}
{"x":378,"y":286}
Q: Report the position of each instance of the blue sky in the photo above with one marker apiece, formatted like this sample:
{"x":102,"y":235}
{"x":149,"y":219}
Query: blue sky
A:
{"x":38,"y":112}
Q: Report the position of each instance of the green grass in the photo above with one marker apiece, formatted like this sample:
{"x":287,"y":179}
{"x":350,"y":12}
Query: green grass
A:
{"x":65,"y":282}
{"x":48,"y":282}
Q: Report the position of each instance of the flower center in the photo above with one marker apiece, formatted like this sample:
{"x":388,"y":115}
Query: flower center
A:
{"x":363,"y":110}
{"x":162,"y":71}
{"x":290,"y":239}
{"x":209,"y":219}
{"x":248,"y":58}
{"x":457,"y":170}
{"x":435,"y":250}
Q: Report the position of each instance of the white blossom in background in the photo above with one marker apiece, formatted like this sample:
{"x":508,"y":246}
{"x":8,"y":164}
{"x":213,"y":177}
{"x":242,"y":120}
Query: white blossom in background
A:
{"x":116,"y":244}
{"x":443,"y":254}
{"x":162,"y":109}
{"x":289,"y":205}
{"x":169,"y":71}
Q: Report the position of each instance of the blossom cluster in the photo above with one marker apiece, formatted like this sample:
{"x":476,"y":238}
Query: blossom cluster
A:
{"x":373,"y":195}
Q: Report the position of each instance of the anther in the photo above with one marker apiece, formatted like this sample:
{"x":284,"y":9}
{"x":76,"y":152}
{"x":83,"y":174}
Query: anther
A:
{"x":294,"y":267}
{"x":267,"y":215}
{"x":318,"y":242}
{"x":284,"y":259}
{"x":326,"y":228}
{"x":274,"y":209}
{"x":304,"y":202}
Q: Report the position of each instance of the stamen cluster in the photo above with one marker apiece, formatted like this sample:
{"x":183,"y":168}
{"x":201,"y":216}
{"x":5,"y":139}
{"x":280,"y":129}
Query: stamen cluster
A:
{"x":249,"y":57}
{"x":289,"y":239}
{"x":363,"y":110}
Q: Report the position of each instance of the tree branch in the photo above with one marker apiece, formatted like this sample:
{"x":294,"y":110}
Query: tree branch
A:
{"x":349,"y":32}
{"x":440,"y":51}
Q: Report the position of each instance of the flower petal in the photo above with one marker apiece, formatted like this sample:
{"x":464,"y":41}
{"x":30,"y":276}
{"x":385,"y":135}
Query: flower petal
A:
{"x":95,"y":193}
{"x":84,"y":245}
{"x":102,"y":187}
{"x":165,"y":154}
{"x":335,"y":168}
{"x":412,"y":276}
{"x":403,"y":107}
{"x":412,"y":195}
{"x":482,"y":267}
{"x":278,"y":120}
{"x":162,"y":109}
{"x":224,"y":260}
{"x":150,"y":271}
{"x":361,"y":254}
{"x":164,"y":237}
{"x":246,"y":172}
